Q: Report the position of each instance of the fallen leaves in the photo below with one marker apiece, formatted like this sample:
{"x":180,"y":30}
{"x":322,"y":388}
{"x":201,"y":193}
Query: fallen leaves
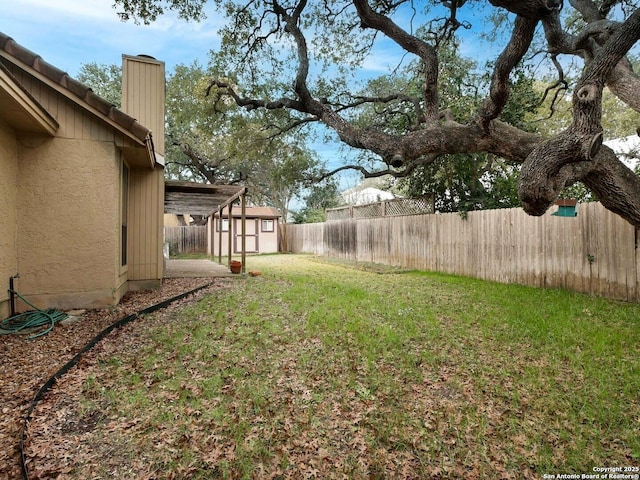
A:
{"x":264,"y":381}
{"x":27,"y":364}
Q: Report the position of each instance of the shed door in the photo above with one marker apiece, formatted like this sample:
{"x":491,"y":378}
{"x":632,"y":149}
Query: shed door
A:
{"x":251,"y":235}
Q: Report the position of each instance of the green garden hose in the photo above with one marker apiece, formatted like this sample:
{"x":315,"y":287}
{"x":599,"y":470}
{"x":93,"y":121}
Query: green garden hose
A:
{"x":37,"y":318}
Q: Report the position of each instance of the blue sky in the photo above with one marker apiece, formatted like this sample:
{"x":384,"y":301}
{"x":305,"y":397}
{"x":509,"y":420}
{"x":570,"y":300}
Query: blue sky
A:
{"x":70,"y":33}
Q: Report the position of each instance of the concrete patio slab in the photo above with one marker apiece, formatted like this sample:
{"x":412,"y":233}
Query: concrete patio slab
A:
{"x":195,"y":269}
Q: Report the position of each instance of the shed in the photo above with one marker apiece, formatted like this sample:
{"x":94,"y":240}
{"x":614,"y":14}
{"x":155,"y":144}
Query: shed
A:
{"x":261,"y":230}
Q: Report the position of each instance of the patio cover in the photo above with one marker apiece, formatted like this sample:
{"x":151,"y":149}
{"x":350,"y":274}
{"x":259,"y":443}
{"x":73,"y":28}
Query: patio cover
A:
{"x":198,"y":198}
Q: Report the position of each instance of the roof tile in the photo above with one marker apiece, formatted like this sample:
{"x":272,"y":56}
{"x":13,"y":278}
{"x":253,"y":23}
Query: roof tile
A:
{"x":77,"y":89}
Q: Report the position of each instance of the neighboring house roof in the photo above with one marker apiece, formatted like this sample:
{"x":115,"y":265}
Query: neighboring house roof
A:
{"x":254,"y":212}
{"x":627,"y":148}
{"x":12,"y":52}
{"x":362,"y":196}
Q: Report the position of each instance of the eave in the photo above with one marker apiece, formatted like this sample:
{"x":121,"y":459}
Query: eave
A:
{"x":20,"y":110}
{"x":133,"y":133}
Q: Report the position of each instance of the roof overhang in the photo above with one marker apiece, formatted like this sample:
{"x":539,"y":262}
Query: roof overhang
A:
{"x":192,"y":198}
{"x":134,"y":131}
{"x":142,"y":155}
{"x":134,"y":134}
{"x":21,"y":110}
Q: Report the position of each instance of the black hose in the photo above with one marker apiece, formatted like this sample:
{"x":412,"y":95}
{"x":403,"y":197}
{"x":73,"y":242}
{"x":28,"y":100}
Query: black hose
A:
{"x":92,"y":343}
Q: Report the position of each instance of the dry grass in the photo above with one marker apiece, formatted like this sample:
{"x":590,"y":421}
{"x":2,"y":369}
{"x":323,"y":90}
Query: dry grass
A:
{"x":319,"y":370}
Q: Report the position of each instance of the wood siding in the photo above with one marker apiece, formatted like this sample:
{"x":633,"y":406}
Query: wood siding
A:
{"x":192,"y":239}
{"x":143,"y":94}
{"x":74,"y":121}
{"x":145,"y":223}
{"x":593,"y":253}
{"x":143,"y":97}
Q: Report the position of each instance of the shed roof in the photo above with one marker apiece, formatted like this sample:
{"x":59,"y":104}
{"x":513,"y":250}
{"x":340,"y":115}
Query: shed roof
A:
{"x":76,"y":91}
{"x":198,"y":198}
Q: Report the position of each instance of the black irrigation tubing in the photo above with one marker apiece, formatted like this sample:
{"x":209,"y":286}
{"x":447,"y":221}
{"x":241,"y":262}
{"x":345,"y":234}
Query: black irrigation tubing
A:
{"x":92,"y":343}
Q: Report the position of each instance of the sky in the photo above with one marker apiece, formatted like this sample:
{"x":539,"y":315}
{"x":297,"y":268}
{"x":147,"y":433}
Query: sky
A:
{"x":70,"y":33}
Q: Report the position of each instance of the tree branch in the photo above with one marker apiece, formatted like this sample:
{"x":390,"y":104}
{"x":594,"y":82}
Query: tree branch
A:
{"x":410,"y":43}
{"x":515,"y":50}
{"x":543,"y":173}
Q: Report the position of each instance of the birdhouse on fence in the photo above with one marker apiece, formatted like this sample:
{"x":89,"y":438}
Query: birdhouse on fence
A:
{"x":566,"y":208}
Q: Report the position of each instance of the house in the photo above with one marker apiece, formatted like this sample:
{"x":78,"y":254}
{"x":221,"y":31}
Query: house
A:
{"x":261,"y":231}
{"x":81,"y":183}
{"x":362,"y":196}
{"x":627,"y":149}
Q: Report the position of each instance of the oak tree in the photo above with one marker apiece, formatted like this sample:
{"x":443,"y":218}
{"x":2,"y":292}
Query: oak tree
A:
{"x":212,"y":141}
{"x":306,"y":50}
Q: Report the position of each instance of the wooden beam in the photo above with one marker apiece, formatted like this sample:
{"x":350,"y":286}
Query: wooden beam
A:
{"x":230,"y":234}
{"x":244,"y":232}
{"x":199,"y":198}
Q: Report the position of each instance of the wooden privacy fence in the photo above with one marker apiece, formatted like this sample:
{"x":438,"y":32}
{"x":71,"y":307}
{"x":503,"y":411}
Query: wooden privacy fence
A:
{"x":186,"y":239}
{"x":594,"y":252}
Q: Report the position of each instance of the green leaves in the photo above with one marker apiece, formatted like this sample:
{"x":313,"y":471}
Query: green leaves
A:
{"x":104,"y":80}
{"x":214,"y":140}
{"x":148,"y":11}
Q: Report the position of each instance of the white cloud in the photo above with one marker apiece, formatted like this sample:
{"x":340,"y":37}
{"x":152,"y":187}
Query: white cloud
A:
{"x":69,"y":33}
{"x":73,"y":10}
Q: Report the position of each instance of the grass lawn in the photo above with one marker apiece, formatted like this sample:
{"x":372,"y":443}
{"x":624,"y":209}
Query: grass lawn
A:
{"x":322,"y":369}
{"x":193,"y":256}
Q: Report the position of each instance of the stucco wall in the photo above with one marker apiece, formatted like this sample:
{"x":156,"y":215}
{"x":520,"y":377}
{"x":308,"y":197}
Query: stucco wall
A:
{"x":68,"y":221}
{"x":8,"y":194}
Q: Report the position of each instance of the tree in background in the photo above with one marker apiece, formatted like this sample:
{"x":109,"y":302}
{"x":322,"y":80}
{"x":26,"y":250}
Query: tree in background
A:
{"x":322,"y":195}
{"x":104,"y":80}
{"x":209,"y":139}
{"x":458,"y":182}
{"x":298,"y":56}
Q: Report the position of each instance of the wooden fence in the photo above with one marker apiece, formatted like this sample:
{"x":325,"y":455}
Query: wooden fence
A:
{"x":594,"y":252}
{"x":186,"y":239}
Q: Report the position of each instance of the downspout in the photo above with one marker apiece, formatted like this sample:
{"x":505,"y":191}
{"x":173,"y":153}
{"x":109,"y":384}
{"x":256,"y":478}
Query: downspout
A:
{"x":230,"y":235}
{"x":220,"y":235}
